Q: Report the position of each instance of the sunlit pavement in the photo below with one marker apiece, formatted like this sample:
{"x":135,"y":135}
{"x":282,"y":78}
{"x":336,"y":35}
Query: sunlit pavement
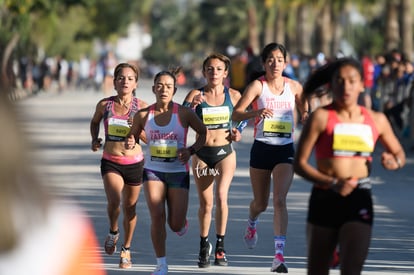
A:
{"x":58,"y":125}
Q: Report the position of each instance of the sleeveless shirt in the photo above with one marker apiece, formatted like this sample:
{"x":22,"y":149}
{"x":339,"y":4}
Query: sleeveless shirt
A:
{"x":346,"y":139}
{"x":279,"y":129}
{"x":117,"y":126}
{"x":163,"y":142}
{"x":216,"y":117}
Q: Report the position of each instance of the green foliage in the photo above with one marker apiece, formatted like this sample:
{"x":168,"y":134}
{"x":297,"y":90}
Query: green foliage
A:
{"x":54,"y":26}
{"x":369,"y":38}
{"x":199,"y":29}
{"x":178,"y":28}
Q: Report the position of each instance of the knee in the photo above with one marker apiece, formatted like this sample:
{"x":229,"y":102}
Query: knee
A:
{"x":174,"y":225}
{"x":279,"y":202}
{"x":114,"y":204}
{"x":130,"y":211}
{"x":221,"y":201}
{"x":260,"y":206}
{"x":158,"y":219}
{"x":206,"y":207}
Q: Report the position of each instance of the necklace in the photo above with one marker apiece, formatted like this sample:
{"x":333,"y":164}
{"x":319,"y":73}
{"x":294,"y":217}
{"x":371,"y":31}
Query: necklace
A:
{"x":123,"y":103}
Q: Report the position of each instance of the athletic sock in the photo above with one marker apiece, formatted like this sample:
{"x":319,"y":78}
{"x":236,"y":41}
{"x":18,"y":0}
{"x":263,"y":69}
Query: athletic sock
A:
{"x":220,"y":242}
{"x":279,"y":244}
{"x":162,"y":260}
{"x":203,"y":241}
{"x":252,"y":223}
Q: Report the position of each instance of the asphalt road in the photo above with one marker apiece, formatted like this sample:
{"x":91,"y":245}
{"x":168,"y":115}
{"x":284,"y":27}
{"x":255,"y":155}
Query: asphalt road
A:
{"x":58,"y":126}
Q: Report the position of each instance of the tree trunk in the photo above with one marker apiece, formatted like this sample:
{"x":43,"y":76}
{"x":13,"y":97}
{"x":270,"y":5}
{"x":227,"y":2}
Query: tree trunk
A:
{"x":407,"y":28}
{"x":269,"y":24}
{"x":304,"y":30}
{"x":280,"y":27}
{"x":253,"y":27}
{"x":392,"y":37}
{"x":325,"y":30}
{"x":7,"y":75}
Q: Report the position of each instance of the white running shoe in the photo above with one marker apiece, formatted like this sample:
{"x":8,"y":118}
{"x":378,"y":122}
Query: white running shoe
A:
{"x":250,"y":237}
{"x":279,"y":264}
{"x":161,"y":269}
{"x":110,"y":243}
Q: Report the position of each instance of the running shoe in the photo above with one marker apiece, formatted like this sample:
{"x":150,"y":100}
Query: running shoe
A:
{"x":183,"y":230}
{"x":220,"y":257}
{"x":125,"y":261}
{"x":279,"y":265}
{"x":335,"y":259}
{"x":110,"y":243}
{"x":161,"y":269}
{"x":204,"y":256}
{"x":250,"y":237}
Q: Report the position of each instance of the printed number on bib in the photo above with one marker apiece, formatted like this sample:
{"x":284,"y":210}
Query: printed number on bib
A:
{"x":163,"y":150}
{"x":118,"y":127}
{"x":280,"y":126}
{"x":216,"y":117}
{"x":351,"y":139}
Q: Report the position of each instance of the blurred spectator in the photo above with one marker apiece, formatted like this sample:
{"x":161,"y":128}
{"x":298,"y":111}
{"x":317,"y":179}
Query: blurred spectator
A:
{"x":292,"y":67}
{"x":253,"y":67}
{"x":238,"y":72}
{"x":84,"y":71}
{"x":379,"y":63}
{"x":368,"y":70}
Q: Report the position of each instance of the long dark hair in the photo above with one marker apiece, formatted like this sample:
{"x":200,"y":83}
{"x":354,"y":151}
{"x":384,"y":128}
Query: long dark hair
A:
{"x":326,"y":73}
{"x":172,"y":72}
{"x":265,"y":54}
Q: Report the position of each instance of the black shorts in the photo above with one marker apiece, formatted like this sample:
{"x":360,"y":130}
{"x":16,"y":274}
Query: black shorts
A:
{"x":131,"y":173}
{"x":213,"y":155}
{"x":265,"y":156}
{"x":329,"y":209}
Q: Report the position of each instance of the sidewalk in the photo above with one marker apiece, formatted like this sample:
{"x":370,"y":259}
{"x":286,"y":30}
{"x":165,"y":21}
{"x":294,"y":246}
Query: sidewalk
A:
{"x":59,"y":126}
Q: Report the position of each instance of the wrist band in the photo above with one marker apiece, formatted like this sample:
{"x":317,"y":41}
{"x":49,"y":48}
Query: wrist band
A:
{"x":241,"y":125}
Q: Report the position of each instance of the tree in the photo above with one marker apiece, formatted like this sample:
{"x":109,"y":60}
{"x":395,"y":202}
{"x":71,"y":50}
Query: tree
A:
{"x":407,"y":27}
{"x":392,"y":34}
{"x":253,"y":30}
{"x":21,"y":21}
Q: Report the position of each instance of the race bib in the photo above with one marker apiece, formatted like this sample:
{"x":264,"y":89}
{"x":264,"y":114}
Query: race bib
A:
{"x":278,"y":126}
{"x":118,"y":127}
{"x":216,"y":117}
{"x":163,"y":150}
{"x":353,"y":139}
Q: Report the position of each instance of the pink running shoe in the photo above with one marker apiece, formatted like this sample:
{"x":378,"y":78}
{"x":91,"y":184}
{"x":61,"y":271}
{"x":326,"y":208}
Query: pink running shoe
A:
{"x":183,"y":230}
{"x":250,"y":237}
{"x":278,"y":264}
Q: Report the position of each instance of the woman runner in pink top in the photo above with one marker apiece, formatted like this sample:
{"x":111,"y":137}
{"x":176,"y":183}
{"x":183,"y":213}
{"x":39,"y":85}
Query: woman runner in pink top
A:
{"x":121,"y":169}
{"x":343,"y":135}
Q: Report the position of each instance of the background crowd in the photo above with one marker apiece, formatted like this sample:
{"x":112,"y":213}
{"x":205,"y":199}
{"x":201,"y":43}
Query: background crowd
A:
{"x":388,"y":78}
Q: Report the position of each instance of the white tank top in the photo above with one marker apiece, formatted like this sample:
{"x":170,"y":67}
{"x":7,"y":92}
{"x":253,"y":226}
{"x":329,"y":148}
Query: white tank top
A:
{"x":163,"y":142}
{"x":277,"y":130}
